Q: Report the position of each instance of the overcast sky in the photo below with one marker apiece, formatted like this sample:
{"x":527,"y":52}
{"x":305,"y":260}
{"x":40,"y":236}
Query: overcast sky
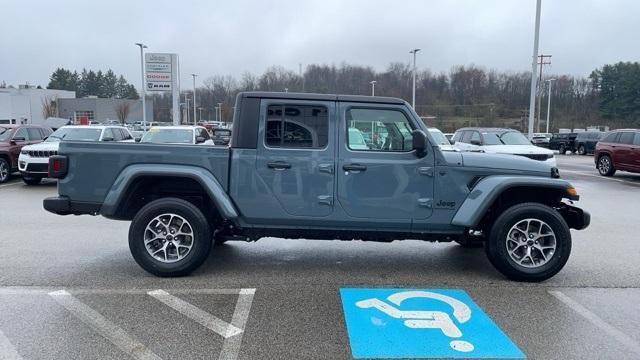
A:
{"x":234,"y":36}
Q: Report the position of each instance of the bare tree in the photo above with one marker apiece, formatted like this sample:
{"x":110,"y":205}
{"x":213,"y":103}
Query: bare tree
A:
{"x":49,"y":106}
{"x":122,"y":111}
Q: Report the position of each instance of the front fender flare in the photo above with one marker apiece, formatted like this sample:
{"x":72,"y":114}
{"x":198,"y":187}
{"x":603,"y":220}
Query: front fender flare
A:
{"x":488,"y":189}
{"x":205,"y":178}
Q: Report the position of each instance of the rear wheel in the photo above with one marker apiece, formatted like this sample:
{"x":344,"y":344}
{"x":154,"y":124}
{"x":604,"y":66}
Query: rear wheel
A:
{"x":562,"y":150}
{"x":5,"y":170}
{"x":605,"y":166}
{"x":169,"y":237}
{"x":582,"y":150}
{"x":529,"y":242}
{"x":31,"y":180}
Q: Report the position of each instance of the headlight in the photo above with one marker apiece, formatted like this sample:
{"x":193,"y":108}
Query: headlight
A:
{"x":24,"y":152}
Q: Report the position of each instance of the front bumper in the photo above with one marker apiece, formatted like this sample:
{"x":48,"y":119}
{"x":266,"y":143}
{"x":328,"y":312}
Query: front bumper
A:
{"x":62,"y":205}
{"x":575,"y":217}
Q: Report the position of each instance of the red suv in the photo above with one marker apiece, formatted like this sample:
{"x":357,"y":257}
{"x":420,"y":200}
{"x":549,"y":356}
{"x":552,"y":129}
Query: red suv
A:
{"x":12,"y":139}
{"x":618,"y":150}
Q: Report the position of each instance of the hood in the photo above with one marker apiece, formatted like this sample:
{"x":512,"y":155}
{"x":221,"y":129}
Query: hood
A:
{"x":46,"y":146}
{"x":505,"y":162}
{"x":516,"y":149}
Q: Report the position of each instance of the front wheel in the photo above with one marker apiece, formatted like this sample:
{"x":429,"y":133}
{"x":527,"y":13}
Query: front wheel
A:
{"x":582,"y":150}
{"x":5,"y":170}
{"x":169,"y":237}
{"x":529,"y":242}
{"x":562,"y":150}
{"x":605,"y":166}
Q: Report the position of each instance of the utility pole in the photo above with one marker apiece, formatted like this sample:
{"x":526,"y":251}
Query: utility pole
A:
{"x":142,"y":89}
{"x":301,"y":75}
{"x":220,"y":109}
{"x":541,"y":62}
{"x":194,"y":99}
{"x":373,"y":87}
{"x":549,"y":102}
{"x":413,"y":101}
{"x":534,"y":63}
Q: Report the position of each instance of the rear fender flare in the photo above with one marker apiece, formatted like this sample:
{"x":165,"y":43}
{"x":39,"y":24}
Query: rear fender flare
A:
{"x":205,"y":178}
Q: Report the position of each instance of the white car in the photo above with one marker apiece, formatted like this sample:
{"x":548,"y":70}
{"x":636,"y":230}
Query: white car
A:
{"x":33,"y":161}
{"x":194,"y":135}
{"x":441,"y":140}
{"x":500,"y":141}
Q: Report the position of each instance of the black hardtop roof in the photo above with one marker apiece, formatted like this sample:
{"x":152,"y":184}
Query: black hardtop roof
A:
{"x":321,"y":97}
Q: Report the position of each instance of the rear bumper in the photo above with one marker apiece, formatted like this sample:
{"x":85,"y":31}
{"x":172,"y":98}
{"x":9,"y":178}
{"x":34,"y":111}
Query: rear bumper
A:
{"x":61,"y":205}
{"x":575,"y":217}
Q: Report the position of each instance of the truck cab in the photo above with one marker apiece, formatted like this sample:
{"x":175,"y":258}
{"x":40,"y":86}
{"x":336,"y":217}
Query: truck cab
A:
{"x":316,"y":166}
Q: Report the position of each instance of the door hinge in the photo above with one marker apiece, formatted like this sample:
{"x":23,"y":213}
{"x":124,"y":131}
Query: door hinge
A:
{"x":425,"y":170}
{"x":425,"y":202}
{"x":326,"y":168}
{"x":325,"y":200}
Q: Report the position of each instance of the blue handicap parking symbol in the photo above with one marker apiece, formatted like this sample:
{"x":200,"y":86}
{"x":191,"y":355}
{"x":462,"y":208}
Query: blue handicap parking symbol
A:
{"x":421,"y":323}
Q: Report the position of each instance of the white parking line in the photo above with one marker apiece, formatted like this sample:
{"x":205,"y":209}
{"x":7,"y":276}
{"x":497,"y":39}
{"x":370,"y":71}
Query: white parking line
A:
{"x":198,"y":315}
{"x":104,"y":327}
{"x":631,"y":344}
{"x":7,"y":351}
{"x":231,"y":346}
{"x":36,"y":290}
{"x":598,"y":176}
{"x":11,"y":184}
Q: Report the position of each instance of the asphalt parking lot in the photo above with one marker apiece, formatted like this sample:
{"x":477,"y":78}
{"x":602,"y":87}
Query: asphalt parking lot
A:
{"x":69,"y":289}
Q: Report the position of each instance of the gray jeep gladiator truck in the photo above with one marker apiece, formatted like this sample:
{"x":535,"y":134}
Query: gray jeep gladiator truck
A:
{"x":314,"y":166}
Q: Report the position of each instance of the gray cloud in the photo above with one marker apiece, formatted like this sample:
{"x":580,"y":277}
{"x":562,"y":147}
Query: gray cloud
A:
{"x":218,"y":37}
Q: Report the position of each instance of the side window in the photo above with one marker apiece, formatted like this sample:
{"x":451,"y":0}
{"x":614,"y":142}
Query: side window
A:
{"x":457,"y":136}
{"x":610,"y":138}
{"x":636,"y":140}
{"x":297,"y":126}
{"x":378,"y":130}
{"x":118,"y":136}
{"x":34,"y":134}
{"x":126,"y":135}
{"x":108,"y":133}
{"x":22,"y":133}
{"x":626,"y":138}
{"x":466,"y":137}
{"x":475,"y":136}
{"x":205,"y":134}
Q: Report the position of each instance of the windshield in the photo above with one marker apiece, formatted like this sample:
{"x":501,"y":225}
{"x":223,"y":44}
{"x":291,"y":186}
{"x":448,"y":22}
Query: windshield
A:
{"x":505,"y":138}
{"x":165,"y":136}
{"x":5,"y":133}
{"x":75,"y":134}
{"x":439,"y":137}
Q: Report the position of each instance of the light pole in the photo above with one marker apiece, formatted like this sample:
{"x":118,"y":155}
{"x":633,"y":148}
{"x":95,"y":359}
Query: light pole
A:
{"x":373,"y":87}
{"x":534,"y":68}
{"x":549,"y":103}
{"x":142,"y":90}
{"x":216,"y":112}
{"x":413,"y":98}
{"x":220,"y":107}
{"x":194,"y":99}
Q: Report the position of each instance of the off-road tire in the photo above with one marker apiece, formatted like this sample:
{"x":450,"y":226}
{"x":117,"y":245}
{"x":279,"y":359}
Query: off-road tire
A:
{"x":5,"y":170}
{"x":562,"y":150}
{"x":201,"y":237}
{"x":497,"y":252}
{"x":582,"y":150}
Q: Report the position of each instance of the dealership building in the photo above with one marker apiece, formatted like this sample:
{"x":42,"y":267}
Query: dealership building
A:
{"x":25,"y":104}
{"x":100,"y":110}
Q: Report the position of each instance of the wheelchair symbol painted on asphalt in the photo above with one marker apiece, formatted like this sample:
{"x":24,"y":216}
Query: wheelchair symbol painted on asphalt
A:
{"x":421,"y":323}
{"x":426,"y":319}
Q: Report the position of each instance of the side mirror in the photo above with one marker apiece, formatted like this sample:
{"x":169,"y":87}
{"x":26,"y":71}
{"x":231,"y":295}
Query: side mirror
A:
{"x":200,"y":139}
{"x":452,"y":142}
{"x":476,"y":142}
{"x":18,"y":139}
{"x":419,"y":139}
{"x":138,"y":139}
{"x":107,"y":138}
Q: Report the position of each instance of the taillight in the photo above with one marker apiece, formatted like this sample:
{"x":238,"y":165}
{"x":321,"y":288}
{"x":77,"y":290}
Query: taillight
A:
{"x":57,"y":166}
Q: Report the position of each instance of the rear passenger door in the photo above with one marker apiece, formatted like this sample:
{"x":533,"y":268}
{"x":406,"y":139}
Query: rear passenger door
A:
{"x":295,"y":155}
{"x":635,"y":152}
{"x":623,"y":153}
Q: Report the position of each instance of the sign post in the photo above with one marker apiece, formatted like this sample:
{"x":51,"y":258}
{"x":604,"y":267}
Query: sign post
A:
{"x":162,"y":74}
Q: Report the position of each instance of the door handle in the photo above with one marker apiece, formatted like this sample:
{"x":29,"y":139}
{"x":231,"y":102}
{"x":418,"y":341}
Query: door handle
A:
{"x":354,"y":167}
{"x":278,"y":165}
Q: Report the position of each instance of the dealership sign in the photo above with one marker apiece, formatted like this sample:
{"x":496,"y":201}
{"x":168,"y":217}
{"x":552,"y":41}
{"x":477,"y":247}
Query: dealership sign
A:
{"x":160,"y":71}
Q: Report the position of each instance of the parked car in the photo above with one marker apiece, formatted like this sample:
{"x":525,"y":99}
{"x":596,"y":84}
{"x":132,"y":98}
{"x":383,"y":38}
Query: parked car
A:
{"x":541,"y":139}
{"x":33,"y":162}
{"x":195,"y":135}
{"x":12,"y":139}
{"x":221,"y":136}
{"x":618,"y":150}
{"x":585,"y":142}
{"x":290,"y":173}
{"x":441,"y":140}
{"x":501,"y":141}
{"x":563,"y":142}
